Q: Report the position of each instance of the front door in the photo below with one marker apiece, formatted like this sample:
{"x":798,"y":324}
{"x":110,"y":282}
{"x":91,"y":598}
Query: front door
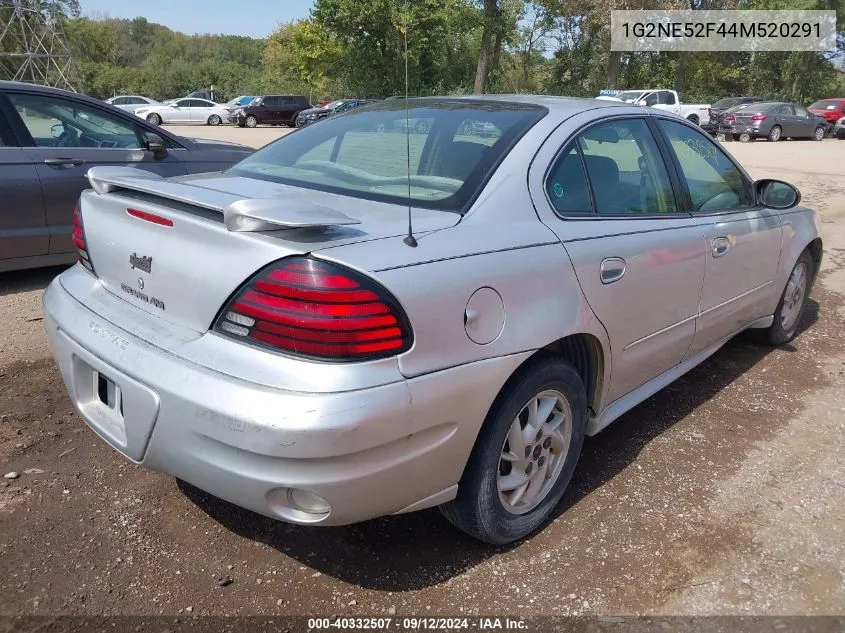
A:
{"x":640,"y":261}
{"x":742,"y":240}
{"x":64,"y":139}
{"x":181,"y":112}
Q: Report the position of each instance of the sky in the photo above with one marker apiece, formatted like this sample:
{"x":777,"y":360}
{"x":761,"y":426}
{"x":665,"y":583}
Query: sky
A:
{"x":255,"y":18}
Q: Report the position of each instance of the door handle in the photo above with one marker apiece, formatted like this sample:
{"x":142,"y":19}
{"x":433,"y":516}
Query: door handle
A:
{"x":612,"y":269}
{"x":62,"y":162}
{"x":721,"y":245}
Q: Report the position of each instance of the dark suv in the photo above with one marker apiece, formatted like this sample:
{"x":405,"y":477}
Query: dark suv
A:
{"x":272,"y":109}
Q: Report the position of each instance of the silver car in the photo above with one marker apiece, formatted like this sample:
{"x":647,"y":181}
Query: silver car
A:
{"x":274,"y":335}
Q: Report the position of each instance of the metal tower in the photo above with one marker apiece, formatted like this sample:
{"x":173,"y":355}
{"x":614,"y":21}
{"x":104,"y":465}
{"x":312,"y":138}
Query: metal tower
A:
{"x":32,"y":45}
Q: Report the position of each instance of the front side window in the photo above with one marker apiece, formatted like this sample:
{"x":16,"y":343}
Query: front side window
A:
{"x":625,"y":169}
{"x":57,"y":122}
{"x":365,"y":152}
{"x":120,"y":101}
{"x":714,"y":182}
{"x":183,"y":103}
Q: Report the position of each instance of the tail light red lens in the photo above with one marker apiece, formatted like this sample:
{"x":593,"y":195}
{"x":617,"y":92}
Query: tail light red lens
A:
{"x":730,"y":118}
{"x":318,"y":310}
{"x":709,"y":113}
{"x":78,"y":237}
{"x":759,"y":117}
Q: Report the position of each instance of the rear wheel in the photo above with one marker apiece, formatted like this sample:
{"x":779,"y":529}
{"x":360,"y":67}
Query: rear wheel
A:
{"x":775,"y":133}
{"x":818,"y":134}
{"x":154,"y":119}
{"x":214,"y":119}
{"x":525,"y":454}
{"x":251,"y":121}
{"x":791,"y":305}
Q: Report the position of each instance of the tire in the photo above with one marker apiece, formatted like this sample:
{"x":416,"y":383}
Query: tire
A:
{"x":775,"y":133}
{"x":495,"y":517}
{"x":214,"y":119}
{"x":154,"y":118}
{"x":788,"y":313}
{"x":819,"y":133}
{"x":251,"y":121}
{"x":693,"y":118}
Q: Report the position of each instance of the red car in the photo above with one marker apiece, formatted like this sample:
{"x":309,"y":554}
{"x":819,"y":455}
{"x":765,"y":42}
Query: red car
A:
{"x":831,"y":109}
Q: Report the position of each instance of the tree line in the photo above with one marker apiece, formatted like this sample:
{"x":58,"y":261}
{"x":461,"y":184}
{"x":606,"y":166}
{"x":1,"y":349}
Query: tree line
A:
{"x":356,"y":48}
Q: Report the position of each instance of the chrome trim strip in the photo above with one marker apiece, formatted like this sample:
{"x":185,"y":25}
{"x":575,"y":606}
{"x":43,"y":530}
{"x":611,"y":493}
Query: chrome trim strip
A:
{"x":744,"y":294}
{"x":666,"y":329}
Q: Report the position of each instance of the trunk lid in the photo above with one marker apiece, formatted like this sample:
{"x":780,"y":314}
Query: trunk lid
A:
{"x":173,"y":255}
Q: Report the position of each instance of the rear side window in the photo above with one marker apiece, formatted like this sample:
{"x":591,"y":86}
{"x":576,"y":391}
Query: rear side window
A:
{"x":625,"y":169}
{"x":714,"y":182}
{"x":454,"y":146}
{"x":567,"y":186}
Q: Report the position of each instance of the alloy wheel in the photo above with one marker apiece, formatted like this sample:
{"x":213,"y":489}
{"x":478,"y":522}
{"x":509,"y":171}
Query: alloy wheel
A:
{"x":534,"y":452}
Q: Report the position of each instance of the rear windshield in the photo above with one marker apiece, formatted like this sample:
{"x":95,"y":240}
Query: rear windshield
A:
{"x":453,"y":147}
{"x":826,"y":104}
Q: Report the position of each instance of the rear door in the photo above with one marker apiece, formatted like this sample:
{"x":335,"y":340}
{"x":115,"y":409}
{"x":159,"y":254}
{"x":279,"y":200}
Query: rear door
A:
{"x":742,"y":240}
{"x":611,"y":200}
{"x":23,"y":225}
{"x":63,"y":138}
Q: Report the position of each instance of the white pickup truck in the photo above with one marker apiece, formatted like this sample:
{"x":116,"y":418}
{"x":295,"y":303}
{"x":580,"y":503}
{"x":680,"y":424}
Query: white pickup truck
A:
{"x":662,"y":99}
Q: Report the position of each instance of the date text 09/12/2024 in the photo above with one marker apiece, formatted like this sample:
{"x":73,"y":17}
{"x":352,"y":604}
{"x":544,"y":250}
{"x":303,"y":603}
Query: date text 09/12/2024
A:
{"x":417,"y":624}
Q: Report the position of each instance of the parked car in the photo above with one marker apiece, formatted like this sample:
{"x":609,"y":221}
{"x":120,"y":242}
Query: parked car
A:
{"x":272,"y":109}
{"x":196,"y":111}
{"x":666,"y":100}
{"x":130,"y":103}
{"x":312,"y":115}
{"x":775,"y":120}
{"x":720,"y":108}
{"x":49,"y":138}
{"x":830,"y":109}
{"x":839,"y":129}
{"x":268,"y":336}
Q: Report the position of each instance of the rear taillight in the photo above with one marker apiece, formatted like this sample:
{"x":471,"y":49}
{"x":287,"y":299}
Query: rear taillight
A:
{"x":317,"y":310}
{"x":709,"y":113}
{"x":759,"y":117}
{"x":730,"y":118}
{"x":78,"y":238}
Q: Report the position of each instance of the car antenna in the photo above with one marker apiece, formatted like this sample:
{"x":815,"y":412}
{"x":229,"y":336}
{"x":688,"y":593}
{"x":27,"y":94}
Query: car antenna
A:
{"x":410,"y":240}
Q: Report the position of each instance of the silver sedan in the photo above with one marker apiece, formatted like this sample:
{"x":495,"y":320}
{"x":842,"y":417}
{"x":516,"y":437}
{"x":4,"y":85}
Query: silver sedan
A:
{"x":350,"y":324}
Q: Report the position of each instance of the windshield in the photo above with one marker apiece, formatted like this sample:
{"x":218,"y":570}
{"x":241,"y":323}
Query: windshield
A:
{"x":724,"y":104}
{"x":454,"y":147}
{"x":825,"y":104}
{"x":333,"y":105}
{"x":630,"y":95}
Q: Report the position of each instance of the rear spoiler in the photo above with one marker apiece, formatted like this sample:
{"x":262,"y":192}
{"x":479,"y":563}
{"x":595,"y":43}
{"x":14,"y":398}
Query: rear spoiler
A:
{"x":239,"y":214}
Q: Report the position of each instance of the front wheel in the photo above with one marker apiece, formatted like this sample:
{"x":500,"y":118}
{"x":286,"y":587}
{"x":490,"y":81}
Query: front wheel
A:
{"x":791,"y":305}
{"x":775,"y":133}
{"x":818,"y":134}
{"x":525,"y":454}
{"x":251,"y":121}
{"x":214,"y":120}
{"x":692,"y":118}
{"x":154,"y":119}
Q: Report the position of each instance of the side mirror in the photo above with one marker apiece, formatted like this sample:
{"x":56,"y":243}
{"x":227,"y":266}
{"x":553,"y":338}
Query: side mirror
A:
{"x":155,"y":144}
{"x":776,"y":194}
{"x":57,"y":130}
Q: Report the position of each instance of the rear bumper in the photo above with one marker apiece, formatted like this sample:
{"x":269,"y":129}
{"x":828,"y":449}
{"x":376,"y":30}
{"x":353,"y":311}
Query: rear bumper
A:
{"x":368,"y":452}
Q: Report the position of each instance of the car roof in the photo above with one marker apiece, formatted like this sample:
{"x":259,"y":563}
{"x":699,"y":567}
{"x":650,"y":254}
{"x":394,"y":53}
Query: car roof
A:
{"x":558,"y":105}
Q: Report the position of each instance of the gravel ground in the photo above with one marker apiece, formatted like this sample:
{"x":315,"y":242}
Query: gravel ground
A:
{"x":722,"y":494}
